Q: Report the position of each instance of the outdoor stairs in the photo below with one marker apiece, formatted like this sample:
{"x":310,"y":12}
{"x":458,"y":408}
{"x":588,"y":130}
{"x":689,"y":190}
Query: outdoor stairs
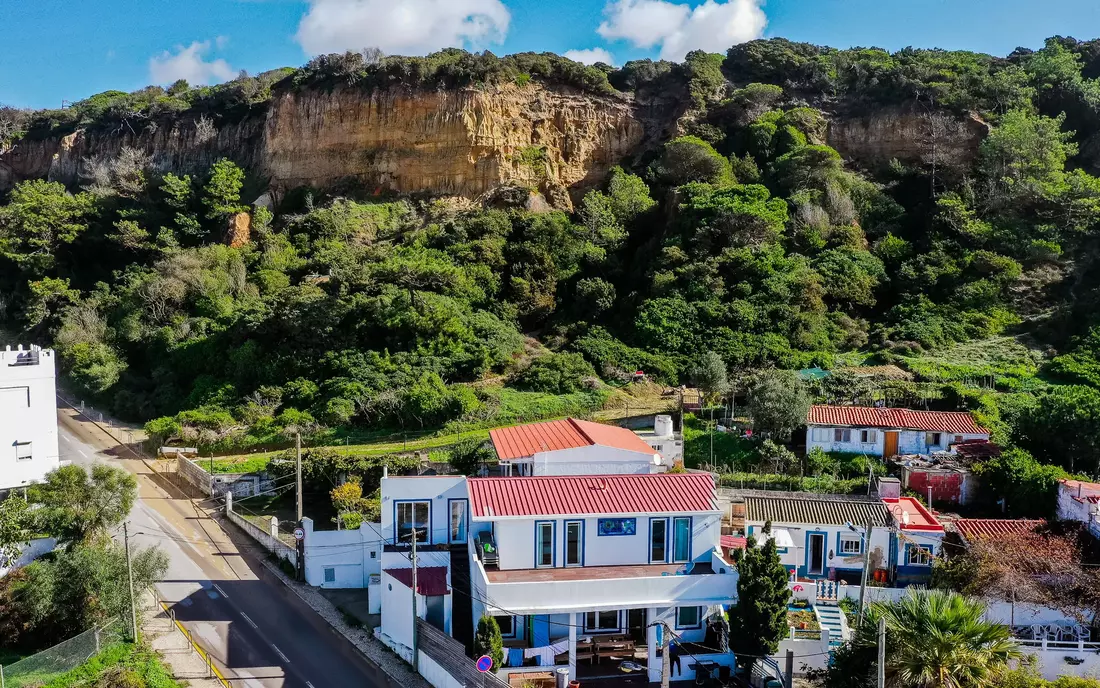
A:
{"x":832,"y":619}
{"x":462,"y":609}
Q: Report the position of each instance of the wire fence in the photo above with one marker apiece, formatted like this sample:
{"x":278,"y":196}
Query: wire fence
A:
{"x":41,"y":668}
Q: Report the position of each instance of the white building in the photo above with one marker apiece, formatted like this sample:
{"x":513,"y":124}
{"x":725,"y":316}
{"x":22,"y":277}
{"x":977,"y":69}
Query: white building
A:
{"x":573,"y":447}
{"x":1078,"y":501}
{"x":28,"y":416}
{"x":663,"y":440}
{"x":888,"y":431}
{"x":581,"y":570}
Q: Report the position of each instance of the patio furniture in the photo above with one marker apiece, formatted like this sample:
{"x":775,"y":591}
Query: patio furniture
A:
{"x":586,"y":652}
{"x":607,"y":648}
{"x":535,"y":679}
{"x":487,"y":549}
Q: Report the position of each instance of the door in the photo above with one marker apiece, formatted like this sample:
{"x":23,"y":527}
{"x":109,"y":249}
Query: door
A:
{"x":574,"y":543}
{"x":891,"y":445}
{"x":816,"y":554}
{"x":636,"y":626}
{"x":434,"y":614}
{"x":458,"y":521}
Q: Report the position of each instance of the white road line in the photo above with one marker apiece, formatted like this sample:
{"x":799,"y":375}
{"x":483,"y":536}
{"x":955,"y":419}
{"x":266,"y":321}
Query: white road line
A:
{"x":66,"y":438}
{"x":82,"y":453}
{"x":309,"y":685}
{"x":220,"y":591}
{"x":280,"y":653}
{"x":250,"y":621}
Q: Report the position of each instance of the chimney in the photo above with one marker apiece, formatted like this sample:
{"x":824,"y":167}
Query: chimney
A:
{"x":888,"y":488}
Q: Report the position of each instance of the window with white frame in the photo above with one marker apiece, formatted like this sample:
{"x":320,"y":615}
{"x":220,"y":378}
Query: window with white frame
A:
{"x":868,"y":436}
{"x":23,"y":451}
{"x":820,"y":434}
{"x":920,"y":555}
{"x":601,"y":622}
{"x":851,"y":544}
{"x":932,"y":439}
{"x":842,"y":435}
{"x":688,"y":617}
{"x":412,"y":515}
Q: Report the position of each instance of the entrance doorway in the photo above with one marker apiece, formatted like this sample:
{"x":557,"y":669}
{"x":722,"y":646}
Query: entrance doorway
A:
{"x":891,"y":448}
{"x":817,"y":554}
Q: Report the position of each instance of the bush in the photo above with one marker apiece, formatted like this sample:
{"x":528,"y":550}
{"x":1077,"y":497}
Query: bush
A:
{"x":691,"y":159}
{"x":556,"y":374}
{"x":487,"y":640}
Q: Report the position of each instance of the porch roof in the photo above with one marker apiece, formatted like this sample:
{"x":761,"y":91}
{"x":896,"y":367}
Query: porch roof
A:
{"x":812,"y":509}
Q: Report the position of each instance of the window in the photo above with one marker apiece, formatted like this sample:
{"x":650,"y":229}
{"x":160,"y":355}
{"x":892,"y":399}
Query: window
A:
{"x":932,"y":439}
{"x":920,"y":555}
{"x":412,"y":515}
{"x":544,"y":544}
{"x":458,"y":520}
{"x":681,"y":539}
{"x":841,"y":435}
{"x":850,"y":544}
{"x":958,"y":439}
{"x":507,"y":625}
{"x":330,"y":575}
{"x":820,"y":434}
{"x":23,"y":451}
{"x":373,"y":554}
{"x":868,"y":436}
{"x":658,"y":540}
{"x":601,"y":622}
{"x":687,"y":617}
{"x":574,"y":543}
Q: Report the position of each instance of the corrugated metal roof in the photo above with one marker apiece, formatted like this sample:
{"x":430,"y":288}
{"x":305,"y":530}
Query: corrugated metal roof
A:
{"x":998,"y":528}
{"x":905,"y":419}
{"x":521,"y":441}
{"x":592,"y":495}
{"x":813,"y":509}
{"x":430,"y":580}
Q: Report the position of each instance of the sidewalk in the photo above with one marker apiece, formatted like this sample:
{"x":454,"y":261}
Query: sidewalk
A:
{"x":160,"y":632}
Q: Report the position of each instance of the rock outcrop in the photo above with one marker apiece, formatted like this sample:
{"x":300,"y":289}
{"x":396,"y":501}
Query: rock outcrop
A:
{"x":462,"y":142}
{"x":911,"y":135}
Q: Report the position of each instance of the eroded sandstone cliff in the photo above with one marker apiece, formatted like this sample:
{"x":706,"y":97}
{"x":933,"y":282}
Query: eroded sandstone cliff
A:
{"x":909,"y":134}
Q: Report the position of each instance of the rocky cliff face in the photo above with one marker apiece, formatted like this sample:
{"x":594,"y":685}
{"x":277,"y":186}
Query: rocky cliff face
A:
{"x":464,"y":142}
{"x":910,"y":135}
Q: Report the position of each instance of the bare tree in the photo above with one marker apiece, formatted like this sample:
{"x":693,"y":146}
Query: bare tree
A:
{"x":372,"y":55}
{"x":205,"y":130}
{"x":12,"y":123}
{"x":936,"y":126}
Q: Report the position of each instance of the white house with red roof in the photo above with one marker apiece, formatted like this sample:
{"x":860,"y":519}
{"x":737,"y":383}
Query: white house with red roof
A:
{"x":888,"y":431}
{"x":573,"y":447}
{"x":1079,"y":501}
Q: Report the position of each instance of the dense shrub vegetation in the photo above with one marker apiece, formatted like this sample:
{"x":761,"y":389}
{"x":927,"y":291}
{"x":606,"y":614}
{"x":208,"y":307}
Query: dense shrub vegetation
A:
{"x":748,"y":237}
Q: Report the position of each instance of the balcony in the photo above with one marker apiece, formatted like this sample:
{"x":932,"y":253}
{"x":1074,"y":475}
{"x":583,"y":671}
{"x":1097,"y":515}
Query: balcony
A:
{"x":596,"y":588}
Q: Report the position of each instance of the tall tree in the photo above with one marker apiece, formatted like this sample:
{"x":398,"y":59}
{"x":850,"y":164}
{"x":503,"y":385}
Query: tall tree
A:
{"x":78,"y":505}
{"x":778,"y":403}
{"x":759,"y":620}
{"x":487,"y":640}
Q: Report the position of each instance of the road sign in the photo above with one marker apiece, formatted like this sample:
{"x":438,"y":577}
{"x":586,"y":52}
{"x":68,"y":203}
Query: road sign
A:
{"x":484,"y":663}
{"x":299,"y":534}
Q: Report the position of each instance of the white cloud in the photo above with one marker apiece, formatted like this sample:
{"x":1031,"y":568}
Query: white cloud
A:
{"x":678,"y":29}
{"x":189,"y":63}
{"x":590,"y":56}
{"x":404,"y":27}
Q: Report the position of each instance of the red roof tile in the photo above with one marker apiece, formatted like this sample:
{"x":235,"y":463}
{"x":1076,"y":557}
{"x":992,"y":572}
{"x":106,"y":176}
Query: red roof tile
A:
{"x":430,"y":580}
{"x":919,"y":518}
{"x":728,"y":542}
{"x":521,"y":441}
{"x":907,"y":419}
{"x":655,"y":493}
{"x":997,"y":528}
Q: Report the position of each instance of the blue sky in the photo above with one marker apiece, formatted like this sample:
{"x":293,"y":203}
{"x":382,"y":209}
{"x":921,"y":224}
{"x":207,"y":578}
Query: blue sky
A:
{"x":55,"y":50}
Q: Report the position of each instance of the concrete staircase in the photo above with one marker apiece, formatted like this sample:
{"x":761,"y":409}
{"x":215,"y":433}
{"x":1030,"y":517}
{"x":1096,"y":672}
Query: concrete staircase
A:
{"x":832,"y":619}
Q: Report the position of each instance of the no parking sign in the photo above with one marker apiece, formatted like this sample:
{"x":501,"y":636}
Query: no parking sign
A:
{"x":484,"y":663}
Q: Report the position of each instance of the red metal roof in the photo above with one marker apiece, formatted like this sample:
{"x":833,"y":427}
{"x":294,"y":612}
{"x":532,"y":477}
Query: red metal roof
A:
{"x":654,"y":493}
{"x":521,"y":441}
{"x":430,"y":580}
{"x":907,"y":419}
{"x":998,"y":528}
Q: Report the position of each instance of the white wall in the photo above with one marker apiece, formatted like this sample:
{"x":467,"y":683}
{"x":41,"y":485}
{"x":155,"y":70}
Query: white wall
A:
{"x":909,"y":441}
{"x":1072,"y":505}
{"x":800,"y":534}
{"x":592,"y":460}
{"x":353,"y":555}
{"x":396,"y":597}
{"x":436,"y":489}
{"x":28,"y":413}
{"x":515,"y":540}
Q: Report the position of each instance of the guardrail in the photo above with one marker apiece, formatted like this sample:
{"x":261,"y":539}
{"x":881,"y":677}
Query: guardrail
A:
{"x":212,"y":670}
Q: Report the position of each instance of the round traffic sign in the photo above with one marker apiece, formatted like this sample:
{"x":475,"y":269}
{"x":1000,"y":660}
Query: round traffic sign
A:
{"x":299,"y":534}
{"x":484,"y":663}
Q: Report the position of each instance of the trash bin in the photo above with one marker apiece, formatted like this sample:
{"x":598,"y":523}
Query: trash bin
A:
{"x":562,"y":676}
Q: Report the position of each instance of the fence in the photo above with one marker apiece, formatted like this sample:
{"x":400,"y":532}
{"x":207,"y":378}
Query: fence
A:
{"x":269,"y":541}
{"x":169,"y":612}
{"x":41,"y":668}
{"x":444,"y":664}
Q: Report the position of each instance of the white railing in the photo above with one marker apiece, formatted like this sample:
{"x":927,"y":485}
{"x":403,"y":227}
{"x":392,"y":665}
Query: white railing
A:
{"x":827,"y":592}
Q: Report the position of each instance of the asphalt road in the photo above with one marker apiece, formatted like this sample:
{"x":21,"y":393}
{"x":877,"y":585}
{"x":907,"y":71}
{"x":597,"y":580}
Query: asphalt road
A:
{"x":257,"y":629}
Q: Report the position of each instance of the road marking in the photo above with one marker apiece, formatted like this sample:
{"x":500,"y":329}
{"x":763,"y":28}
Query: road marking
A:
{"x":309,"y":685}
{"x":82,"y":453}
{"x":66,"y":438}
{"x":220,"y":591}
{"x":250,"y":621}
{"x":280,"y":653}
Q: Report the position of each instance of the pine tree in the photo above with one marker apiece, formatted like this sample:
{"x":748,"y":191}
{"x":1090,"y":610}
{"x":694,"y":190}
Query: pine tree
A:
{"x":759,"y":621}
{"x":487,"y":640}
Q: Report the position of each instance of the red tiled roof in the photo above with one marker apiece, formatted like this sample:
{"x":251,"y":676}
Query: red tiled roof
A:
{"x":865,"y":416}
{"x":655,"y":493}
{"x":919,"y":518}
{"x":521,"y":441}
{"x":430,"y":580}
{"x":997,"y":528}
{"x":728,"y":542}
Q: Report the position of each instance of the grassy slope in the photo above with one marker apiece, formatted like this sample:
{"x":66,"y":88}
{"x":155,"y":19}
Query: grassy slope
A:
{"x":113,"y":665}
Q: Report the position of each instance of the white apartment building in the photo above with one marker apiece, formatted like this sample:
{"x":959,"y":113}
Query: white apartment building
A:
{"x":28,"y":416}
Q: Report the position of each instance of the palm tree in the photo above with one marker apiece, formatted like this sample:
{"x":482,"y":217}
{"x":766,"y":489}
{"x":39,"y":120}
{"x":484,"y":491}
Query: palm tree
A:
{"x":938,"y":639}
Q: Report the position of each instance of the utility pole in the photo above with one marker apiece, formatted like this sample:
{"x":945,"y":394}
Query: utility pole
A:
{"x":415,"y":635}
{"x":298,"y":470}
{"x":130,"y":578}
{"x":882,"y":653}
{"x":666,"y":660}
{"x":866,"y":567}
